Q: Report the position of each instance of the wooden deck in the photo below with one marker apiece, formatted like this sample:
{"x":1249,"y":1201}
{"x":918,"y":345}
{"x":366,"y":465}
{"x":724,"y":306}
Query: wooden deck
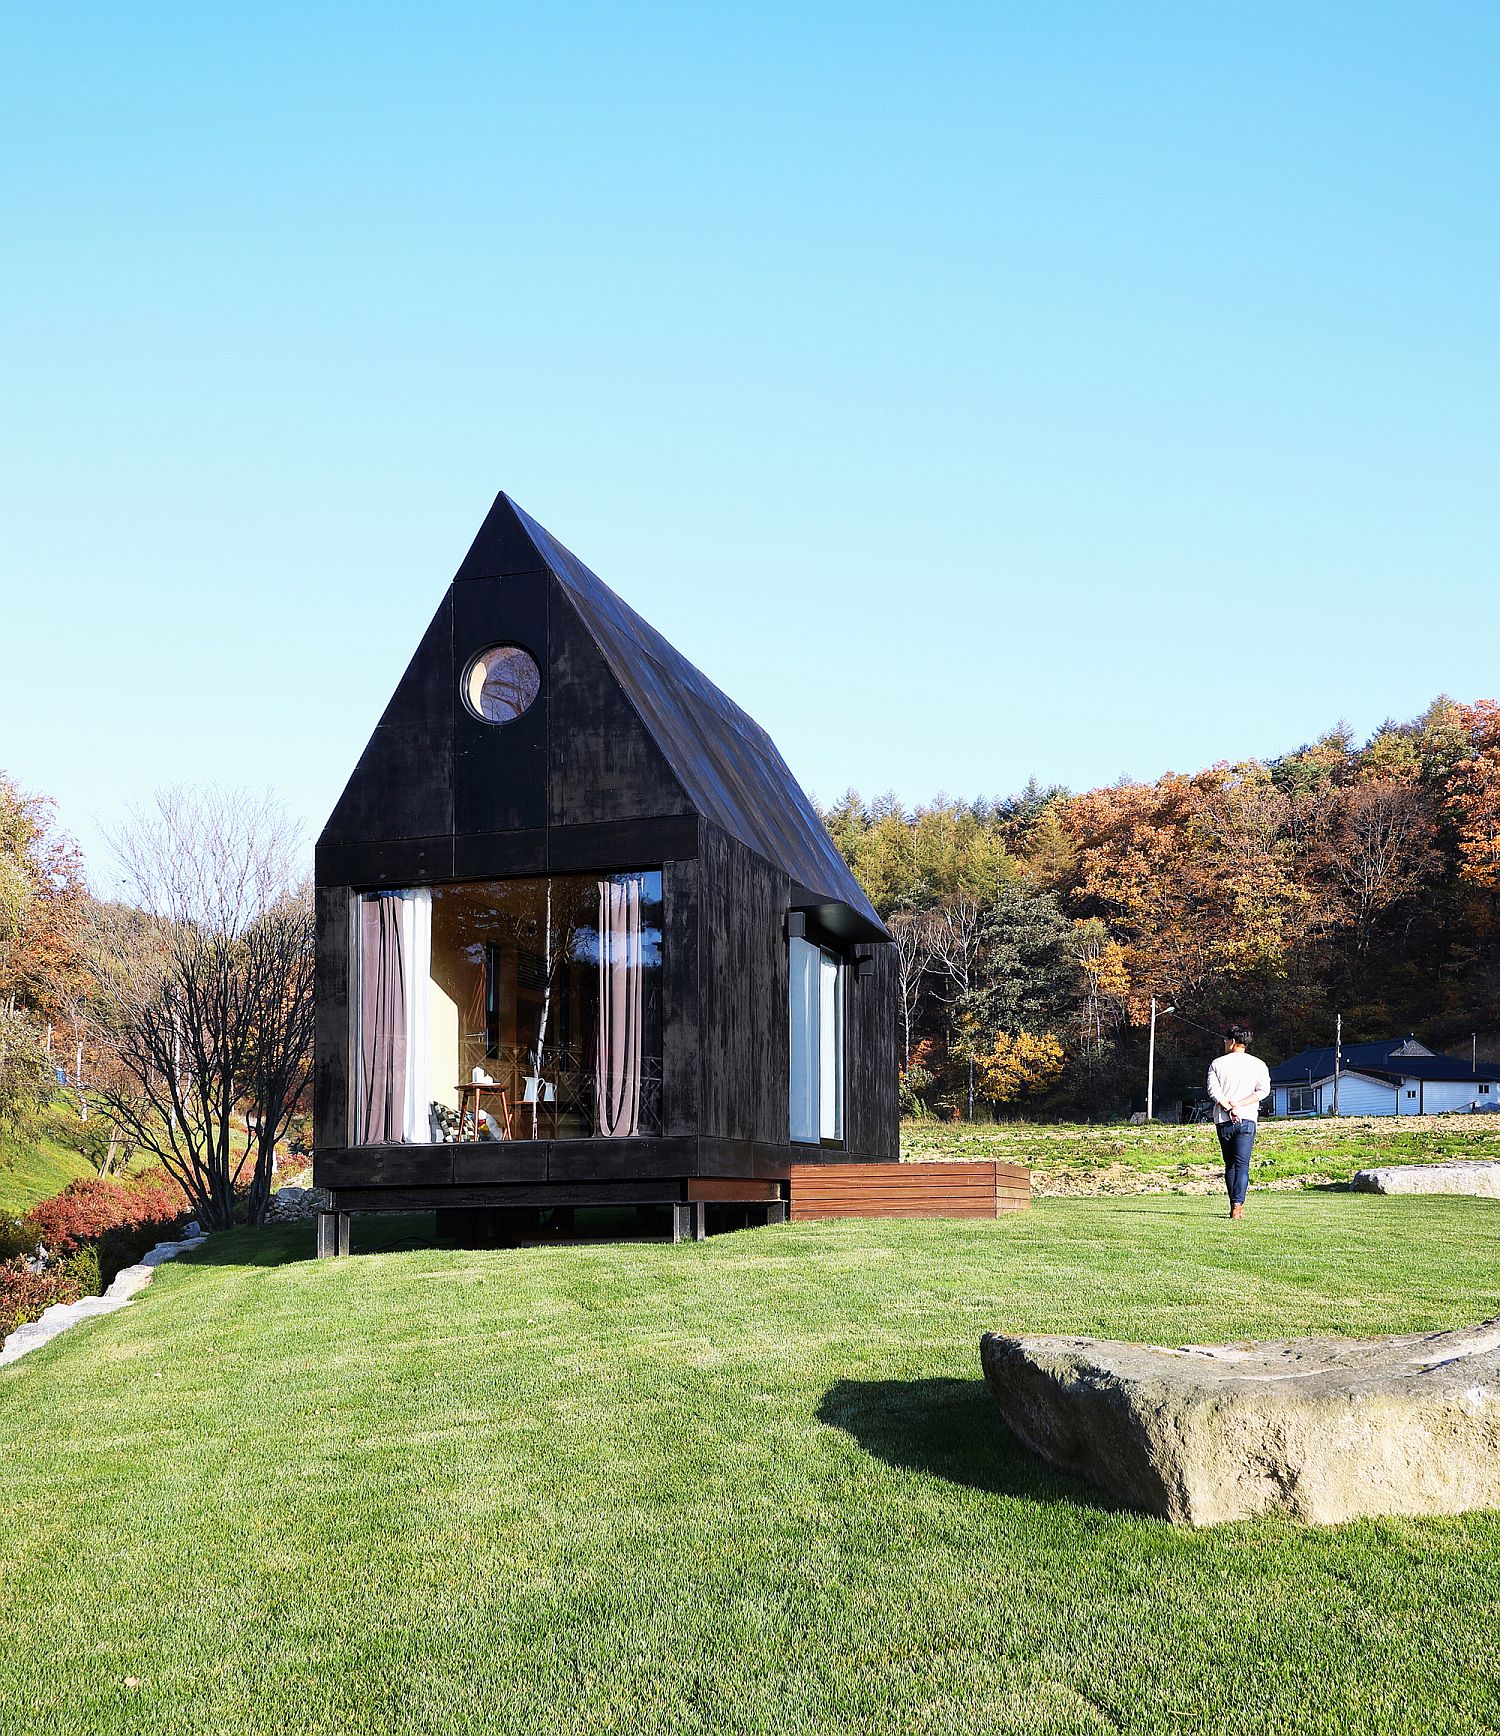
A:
{"x":908,"y":1190}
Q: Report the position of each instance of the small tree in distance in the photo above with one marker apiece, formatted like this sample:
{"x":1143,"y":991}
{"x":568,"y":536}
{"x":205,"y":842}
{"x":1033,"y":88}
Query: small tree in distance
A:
{"x":210,"y":1015}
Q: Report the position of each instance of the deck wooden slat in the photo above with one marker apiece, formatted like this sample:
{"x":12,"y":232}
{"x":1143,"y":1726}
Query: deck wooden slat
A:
{"x":908,"y":1190}
{"x":732,"y":1190}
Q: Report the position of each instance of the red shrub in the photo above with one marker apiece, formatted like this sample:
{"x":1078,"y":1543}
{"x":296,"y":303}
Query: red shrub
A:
{"x":85,"y":1209}
{"x":292,"y":1163}
{"x":27,"y":1295}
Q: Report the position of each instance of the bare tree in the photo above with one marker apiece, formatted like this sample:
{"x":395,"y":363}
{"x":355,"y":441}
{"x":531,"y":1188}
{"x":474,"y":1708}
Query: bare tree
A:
{"x":1379,"y":849}
{"x":912,"y":932}
{"x":953,"y":935}
{"x":212,"y":1011}
{"x":277,"y":1071}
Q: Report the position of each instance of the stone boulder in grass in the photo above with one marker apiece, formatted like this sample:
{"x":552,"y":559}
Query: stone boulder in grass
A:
{"x":1317,"y":1429}
{"x":1478,"y":1178}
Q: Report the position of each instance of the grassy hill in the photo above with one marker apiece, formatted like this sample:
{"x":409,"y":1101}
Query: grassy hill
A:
{"x":1071,"y":1157}
{"x":750,"y":1485}
{"x":36,"y":1168}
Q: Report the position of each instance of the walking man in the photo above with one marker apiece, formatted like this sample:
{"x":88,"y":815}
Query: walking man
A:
{"x":1236,"y":1084}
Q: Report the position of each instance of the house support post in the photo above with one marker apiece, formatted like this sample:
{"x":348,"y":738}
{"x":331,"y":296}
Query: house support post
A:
{"x":689,"y":1218}
{"x":776,"y":1212}
{"x":333,"y":1234}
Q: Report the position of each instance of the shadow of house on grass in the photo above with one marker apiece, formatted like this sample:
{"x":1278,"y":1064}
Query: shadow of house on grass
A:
{"x":286,"y":1244}
{"x":950,"y":1429}
{"x":265,"y":1245}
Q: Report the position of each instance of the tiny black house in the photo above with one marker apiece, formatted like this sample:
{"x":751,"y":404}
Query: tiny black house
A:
{"x":582,"y":939}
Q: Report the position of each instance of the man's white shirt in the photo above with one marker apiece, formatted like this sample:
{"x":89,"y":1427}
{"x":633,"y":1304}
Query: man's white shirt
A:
{"x":1238,"y":1076}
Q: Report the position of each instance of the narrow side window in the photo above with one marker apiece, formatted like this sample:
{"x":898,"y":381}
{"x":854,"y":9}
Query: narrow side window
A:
{"x":817,"y":1042}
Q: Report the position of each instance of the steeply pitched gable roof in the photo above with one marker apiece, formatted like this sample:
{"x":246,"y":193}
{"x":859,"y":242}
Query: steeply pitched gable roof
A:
{"x":1391,"y":1058}
{"x":727,"y":764}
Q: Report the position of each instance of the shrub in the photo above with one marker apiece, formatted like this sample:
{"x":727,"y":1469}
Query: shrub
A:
{"x":291,"y":1163}
{"x":913,"y":1081}
{"x":82,"y":1265}
{"x":16,"y":1239}
{"x":27,"y":1295}
{"x":89,"y":1207}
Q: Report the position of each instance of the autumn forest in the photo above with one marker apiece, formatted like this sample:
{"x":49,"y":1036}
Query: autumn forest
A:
{"x":1032,"y":932}
{"x":1336,"y":878}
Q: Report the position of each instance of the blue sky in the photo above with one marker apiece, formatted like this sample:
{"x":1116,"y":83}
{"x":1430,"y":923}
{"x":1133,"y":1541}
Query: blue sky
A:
{"x":974,"y":392}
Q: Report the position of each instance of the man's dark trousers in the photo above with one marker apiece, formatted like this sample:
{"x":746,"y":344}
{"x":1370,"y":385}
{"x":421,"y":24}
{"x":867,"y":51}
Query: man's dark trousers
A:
{"x":1236,"y":1138}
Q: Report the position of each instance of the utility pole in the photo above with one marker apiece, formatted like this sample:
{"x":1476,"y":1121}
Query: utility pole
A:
{"x":1151,"y":1065}
{"x":1338,"y":1056}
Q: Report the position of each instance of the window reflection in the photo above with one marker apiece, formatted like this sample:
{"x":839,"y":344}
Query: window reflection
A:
{"x":534,"y":1010}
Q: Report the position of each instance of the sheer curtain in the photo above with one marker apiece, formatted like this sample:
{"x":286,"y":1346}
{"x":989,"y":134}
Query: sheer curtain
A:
{"x":618,"y":1051}
{"x":395,"y":962}
{"x":416,"y":923}
{"x":830,"y":1046}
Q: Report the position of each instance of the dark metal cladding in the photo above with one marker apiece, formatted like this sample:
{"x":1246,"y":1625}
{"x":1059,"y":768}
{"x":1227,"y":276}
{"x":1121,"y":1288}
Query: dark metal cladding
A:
{"x":402,"y":786}
{"x":627,"y":757}
{"x":872,"y":1114}
{"x":745,"y":1035}
{"x":724,"y":760}
{"x":500,"y":775}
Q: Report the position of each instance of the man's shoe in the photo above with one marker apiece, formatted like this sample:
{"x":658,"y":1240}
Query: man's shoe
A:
{"x":1236,"y":1211}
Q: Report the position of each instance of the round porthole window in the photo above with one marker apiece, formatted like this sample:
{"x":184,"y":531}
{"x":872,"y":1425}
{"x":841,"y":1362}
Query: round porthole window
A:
{"x":501,"y":683}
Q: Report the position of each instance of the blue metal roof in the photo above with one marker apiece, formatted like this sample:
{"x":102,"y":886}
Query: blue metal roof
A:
{"x":1384,"y":1061}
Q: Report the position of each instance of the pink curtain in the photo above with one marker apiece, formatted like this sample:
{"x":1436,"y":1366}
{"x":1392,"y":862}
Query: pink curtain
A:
{"x":618,"y":1059}
{"x":478,"y":1008}
{"x":382,"y":1021}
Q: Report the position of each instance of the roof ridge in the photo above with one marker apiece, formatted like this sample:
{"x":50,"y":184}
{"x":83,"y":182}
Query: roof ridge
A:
{"x":534,"y":530}
{"x":727,"y":762}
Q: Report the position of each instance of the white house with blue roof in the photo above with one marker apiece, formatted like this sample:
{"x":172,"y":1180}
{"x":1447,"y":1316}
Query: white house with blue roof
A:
{"x":1398,"y":1076}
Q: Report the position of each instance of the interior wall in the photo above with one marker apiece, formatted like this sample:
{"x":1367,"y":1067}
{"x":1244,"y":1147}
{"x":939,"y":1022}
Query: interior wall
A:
{"x":442,"y":1039}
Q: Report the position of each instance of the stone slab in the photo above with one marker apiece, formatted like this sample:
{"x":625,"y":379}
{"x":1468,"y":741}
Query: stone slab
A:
{"x":123,"y":1289}
{"x":1318,"y":1429}
{"x":1479,"y":1179}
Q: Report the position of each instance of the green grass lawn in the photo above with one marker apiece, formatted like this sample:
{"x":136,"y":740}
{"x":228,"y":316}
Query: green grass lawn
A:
{"x":35,"y":1166}
{"x":1327,"y":1150}
{"x":754,"y":1484}
{"x":33,"y":1169}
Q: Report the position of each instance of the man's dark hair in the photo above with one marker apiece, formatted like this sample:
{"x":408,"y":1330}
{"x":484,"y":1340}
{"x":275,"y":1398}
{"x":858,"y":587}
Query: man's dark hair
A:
{"x":1239,"y":1034}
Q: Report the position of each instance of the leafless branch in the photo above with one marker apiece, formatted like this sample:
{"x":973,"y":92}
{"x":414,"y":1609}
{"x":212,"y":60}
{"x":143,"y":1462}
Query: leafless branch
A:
{"x":211,"y":1006}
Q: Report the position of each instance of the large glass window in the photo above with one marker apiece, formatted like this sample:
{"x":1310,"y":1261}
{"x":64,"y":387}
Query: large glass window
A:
{"x":817,"y":1043}
{"x":510,"y":1009}
{"x":1302,"y":1100}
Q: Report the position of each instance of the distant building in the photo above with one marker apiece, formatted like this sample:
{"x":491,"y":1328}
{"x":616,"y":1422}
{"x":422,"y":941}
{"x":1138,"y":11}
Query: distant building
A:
{"x":1398,"y":1076}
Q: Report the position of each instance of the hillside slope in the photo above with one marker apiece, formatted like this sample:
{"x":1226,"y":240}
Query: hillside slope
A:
{"x":753,"y":1484}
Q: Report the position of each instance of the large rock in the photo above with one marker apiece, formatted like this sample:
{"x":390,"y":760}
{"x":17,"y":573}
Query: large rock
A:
{"x":1477,"y":1178}
{"x":291,"y":1204}
{"x":1320,"y":1429}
